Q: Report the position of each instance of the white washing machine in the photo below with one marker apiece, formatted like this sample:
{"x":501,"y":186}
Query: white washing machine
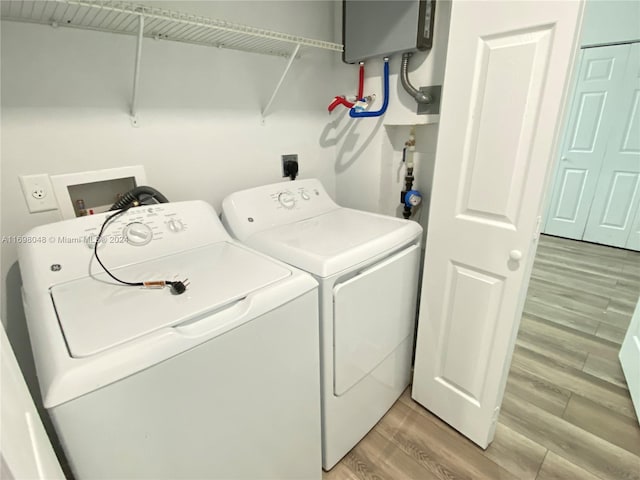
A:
{"x":367,"y":266}
{"x":219,"y":382}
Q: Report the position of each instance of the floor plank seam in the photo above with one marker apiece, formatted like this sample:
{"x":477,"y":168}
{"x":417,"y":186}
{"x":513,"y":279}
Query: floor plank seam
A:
{"x":584,"y":363}
{"x":544,"y":459}
{"x":594,"y":474}
{"x":567,"y":406}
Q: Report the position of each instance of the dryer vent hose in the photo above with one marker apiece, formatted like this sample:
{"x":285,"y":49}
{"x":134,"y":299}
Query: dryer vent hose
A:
{"x":137,"y":195}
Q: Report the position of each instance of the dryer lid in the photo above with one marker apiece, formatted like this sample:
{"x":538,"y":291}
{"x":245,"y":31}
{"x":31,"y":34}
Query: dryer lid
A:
{"x":96,"y":313}
{"x":330,"y":243}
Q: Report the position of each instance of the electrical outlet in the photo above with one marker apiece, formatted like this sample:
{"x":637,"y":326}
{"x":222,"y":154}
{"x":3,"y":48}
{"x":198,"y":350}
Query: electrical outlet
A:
{"x":290,"y":166}
{"x":38,"y":192}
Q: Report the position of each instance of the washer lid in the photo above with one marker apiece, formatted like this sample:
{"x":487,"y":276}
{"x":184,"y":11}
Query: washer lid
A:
{"x":96,"y":313}
{"x":332,"y":242}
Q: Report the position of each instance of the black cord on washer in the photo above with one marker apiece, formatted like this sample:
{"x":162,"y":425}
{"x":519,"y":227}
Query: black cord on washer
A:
{"x":177,"y":287}
{"x":132,"y":197}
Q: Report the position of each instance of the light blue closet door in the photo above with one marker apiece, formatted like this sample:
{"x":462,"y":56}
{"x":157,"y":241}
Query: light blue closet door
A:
{"x":615,"y":205}
{"x":633,"y":242}
{"x":591,"y":119}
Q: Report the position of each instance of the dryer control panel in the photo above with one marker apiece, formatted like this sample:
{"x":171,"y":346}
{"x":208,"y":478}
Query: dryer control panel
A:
{"x":257,"y":209}
{"x":295,"y":198}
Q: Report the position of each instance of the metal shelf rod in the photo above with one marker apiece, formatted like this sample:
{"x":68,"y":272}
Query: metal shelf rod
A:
{"x":207,"y":23}
{"x":136,"y":72}
{"x":284,"y":74}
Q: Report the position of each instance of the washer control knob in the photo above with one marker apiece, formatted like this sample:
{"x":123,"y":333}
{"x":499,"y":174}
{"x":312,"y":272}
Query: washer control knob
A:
{"x":304,"y":195}
{"x":287,"y":200}
{"x":90,"y":241}
{"x":138,"y":234}
{"x":175,"y":225}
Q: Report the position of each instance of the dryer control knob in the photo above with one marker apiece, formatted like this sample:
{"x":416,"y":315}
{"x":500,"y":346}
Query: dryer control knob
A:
{"x":287,"y":200}
{"x":305,"y":195}
{"x":138,"y":234}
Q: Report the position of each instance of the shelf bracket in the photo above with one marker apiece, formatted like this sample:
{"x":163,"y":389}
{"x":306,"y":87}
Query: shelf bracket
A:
{"x":265,"y":111}
{"x":136,"y":73}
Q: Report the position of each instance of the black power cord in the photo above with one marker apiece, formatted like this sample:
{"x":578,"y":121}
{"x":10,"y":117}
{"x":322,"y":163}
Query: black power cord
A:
{"x":177,"y":287}
{"x":133,"y":197}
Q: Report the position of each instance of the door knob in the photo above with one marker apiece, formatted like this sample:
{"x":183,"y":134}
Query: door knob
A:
{"x":515,"y":255}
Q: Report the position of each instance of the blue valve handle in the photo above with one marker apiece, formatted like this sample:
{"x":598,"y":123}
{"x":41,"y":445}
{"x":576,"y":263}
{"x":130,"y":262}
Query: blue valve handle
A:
{"x":412,"y":198}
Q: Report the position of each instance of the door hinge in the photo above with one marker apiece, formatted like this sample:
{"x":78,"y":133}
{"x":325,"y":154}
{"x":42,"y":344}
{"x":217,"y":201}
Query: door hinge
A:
{"x":496,"y":414}
{"x":536,"y":234}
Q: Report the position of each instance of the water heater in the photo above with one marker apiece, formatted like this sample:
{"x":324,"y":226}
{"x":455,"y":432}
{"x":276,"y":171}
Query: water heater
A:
{"x":377,"y":28}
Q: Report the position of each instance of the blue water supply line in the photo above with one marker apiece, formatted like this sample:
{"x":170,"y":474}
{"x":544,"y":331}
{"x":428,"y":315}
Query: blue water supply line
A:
{"x":353,"y":113}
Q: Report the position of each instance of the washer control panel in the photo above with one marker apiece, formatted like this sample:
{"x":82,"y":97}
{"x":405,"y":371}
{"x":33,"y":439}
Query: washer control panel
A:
{"x":139,"y":234}
{"x":140,"y":226}
{"x":150,"y":223}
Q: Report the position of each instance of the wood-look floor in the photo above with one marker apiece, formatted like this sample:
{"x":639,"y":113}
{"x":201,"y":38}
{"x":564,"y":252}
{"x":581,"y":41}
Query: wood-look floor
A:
{"x":566,"y":413}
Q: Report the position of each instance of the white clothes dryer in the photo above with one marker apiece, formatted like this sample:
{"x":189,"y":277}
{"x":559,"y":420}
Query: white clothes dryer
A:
{"x":367,"y":266}
{"x":219,"y":382}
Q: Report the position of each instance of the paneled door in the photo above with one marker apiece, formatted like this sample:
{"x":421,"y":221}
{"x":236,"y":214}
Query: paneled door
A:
{"x":507,"y":78}
{"x":617,"y":196}
{"x":592,"y":118}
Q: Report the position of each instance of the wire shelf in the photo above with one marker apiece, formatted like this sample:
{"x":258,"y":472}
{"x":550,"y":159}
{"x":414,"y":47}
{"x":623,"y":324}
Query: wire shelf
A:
{"x":122,"y":17}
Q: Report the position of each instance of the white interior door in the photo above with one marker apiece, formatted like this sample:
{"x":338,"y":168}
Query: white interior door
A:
{"x":630,"y":359}
{"x":617,"y":196}
{"x":25,"y":448}
{"x":592,"y":116}
{"x":507,"y":74}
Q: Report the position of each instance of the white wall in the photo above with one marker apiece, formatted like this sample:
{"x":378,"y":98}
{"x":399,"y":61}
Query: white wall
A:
{"x":66,"y":94}
{"x":610,"y":21}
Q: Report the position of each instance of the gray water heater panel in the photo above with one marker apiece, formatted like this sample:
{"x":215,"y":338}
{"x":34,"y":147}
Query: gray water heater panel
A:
{"x":377,"y":28}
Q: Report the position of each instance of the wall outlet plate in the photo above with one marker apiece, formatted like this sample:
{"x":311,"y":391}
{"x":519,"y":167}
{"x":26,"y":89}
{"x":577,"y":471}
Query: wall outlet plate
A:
{"x":38,"y":193}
